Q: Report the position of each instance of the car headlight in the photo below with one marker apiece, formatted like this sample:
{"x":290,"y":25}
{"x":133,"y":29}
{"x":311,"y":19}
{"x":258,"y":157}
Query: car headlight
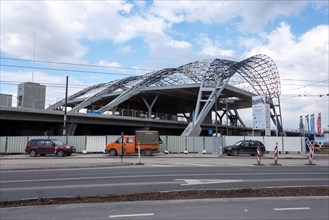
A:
{"x":68,"y":147}
{"x":229,"y":148}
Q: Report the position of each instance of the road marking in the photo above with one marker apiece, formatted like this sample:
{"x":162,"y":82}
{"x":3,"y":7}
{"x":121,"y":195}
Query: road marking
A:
{"x":56,"y":179}
{"x":217,"y":174}
{"x":75,"y":186}
{"x":190,"y":182}
{"x":131,"y":215}
{"x":159,"y":165}
{"x":198,"y":165}
{"x":291,"y":209}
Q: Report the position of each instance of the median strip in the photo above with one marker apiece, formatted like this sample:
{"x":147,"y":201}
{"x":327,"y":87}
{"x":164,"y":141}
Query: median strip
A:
{"x":176,"y":195}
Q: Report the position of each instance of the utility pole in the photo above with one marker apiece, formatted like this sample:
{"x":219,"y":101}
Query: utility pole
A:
{"x":65,"y":108}
{"x":216,"y":127}
{"x":226,"y":117}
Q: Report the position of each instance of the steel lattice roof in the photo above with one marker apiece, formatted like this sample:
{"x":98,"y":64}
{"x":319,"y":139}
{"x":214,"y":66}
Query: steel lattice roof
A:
{"x":257,"y":74}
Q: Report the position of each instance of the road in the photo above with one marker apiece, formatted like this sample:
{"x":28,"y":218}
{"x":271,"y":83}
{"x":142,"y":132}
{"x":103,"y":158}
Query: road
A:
{"x":237,"y":208}
{"x":49,"y":183}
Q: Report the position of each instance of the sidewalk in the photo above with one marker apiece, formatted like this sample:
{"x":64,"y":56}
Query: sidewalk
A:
{"x":25,"y":162}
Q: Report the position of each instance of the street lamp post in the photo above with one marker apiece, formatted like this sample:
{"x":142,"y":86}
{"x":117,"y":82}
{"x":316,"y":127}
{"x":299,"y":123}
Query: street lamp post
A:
{"x":65,"y":109}
{"x":226,"y":101}
{"x":216,"y":128}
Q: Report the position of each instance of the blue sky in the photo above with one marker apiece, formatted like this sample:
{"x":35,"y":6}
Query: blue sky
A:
{"x":124,"y":38}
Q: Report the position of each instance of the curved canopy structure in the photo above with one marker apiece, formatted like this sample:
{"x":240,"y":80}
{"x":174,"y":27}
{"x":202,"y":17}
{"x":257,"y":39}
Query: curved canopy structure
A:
{"x":257,"y":74}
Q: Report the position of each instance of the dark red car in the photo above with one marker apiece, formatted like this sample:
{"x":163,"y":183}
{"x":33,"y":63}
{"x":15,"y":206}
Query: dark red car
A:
{"x":48,"y":146}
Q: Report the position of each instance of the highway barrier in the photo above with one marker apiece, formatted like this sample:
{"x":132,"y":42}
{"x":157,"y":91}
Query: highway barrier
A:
{"x":171,"y":144}
{"x":258,"y":157}
{"x":310,"y":145}
{"x":276,"y":153}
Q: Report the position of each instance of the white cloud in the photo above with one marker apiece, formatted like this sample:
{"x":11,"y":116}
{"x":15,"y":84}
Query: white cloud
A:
{"x":299,"y":59}
{"x":55,"y":85}
{"x":211,"y":48}
{"x":126,"y":49}
{"x":251,"y":15}
{"x":60,"y":26}
{"x":109,"y":64}
{"x":165,"y":52}
{"x":32,"y":29}
{"x":256,"y":14}
{"x":192,"y":11}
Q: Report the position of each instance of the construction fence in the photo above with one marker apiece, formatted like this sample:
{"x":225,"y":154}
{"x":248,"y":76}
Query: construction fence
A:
{"x":172,"y":144}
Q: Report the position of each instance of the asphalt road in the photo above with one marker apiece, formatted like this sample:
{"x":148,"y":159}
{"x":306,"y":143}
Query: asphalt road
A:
{"x":15,"y":185}
{"x":238,"y":208}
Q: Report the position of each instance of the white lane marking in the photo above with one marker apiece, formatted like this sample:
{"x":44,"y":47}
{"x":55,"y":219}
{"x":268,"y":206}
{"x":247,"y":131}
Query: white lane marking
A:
{"x":190,"y":182}
{"x":159,"y":165}
{"x":291,"y":209}
{"x":57,"y":179}
{"x":218,"y":174}
{"x":76,"y":186}
{"x":198,"y":165}
{"x":131,"y":215}
{"x":182,"y":165}
{"x":238,"y":164}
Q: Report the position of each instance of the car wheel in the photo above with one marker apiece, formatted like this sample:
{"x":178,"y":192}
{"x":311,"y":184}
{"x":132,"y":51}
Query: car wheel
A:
{"x":234,"y":153}
{"x":33,"y":153}
{"x":112,"y":152}
{"x":60,"y":153}
{"x":148,"y":152}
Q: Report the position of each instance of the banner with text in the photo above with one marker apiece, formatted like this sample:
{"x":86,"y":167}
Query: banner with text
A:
{"x":312,"y":125}
{"x":318,"y":122}
{"x":261,"y":114}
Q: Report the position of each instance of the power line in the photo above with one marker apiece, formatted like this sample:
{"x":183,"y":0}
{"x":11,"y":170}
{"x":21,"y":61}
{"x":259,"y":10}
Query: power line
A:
{"x":68,"y":70}
{"x":303,"y":96}
{"x":77,"y":64}
{"x":15,"y":83}
{"x":302,"y":80}
{"x":312,"y":84}
{"x":299,"y":85}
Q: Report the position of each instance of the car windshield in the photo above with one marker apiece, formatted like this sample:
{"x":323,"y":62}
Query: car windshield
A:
{"x":57,"y":142}
{"x":238,"y":143}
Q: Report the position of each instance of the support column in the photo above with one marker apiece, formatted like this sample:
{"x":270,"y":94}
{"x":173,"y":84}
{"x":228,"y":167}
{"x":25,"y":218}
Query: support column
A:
{"x":149,"y":107}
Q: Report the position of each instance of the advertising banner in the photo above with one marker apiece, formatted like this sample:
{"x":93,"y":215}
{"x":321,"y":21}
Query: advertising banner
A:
{"x":301,"y":125}
{"x":307,"y":124}
{"x":318,"y":122}
{"x":312,"y":125}
{"x":261,"y":114}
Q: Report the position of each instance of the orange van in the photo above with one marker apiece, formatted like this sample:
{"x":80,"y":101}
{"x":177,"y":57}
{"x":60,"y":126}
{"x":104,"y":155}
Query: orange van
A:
{"x":149,"y":142}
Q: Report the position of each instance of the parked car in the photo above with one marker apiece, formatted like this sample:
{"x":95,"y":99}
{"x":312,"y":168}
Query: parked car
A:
{"x":48,"y":146}
{"x":245,"y":147}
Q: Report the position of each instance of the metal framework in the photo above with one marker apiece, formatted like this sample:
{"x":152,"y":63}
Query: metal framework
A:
{"x":257,"y":74}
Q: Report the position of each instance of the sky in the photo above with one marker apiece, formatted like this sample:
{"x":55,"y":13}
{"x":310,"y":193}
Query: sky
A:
{"x":100,"y":41}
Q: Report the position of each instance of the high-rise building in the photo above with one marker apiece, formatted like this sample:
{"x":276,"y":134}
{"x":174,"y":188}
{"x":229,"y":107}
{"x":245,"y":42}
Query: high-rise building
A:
{"x":31,"y":95}
{"x":6,"y":100}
